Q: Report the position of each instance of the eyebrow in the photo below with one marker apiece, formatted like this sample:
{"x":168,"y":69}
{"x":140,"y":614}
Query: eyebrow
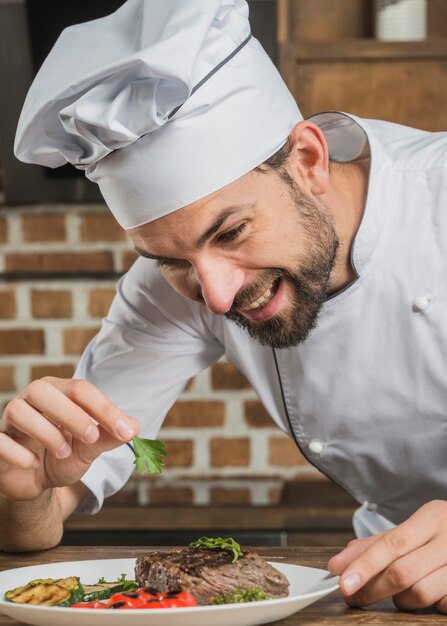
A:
{"x":201,"y":241}
{"x":220,"y":219}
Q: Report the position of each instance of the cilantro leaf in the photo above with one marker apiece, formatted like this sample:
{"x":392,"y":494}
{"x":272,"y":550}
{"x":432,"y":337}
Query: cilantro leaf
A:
{"x":149,"y":455}
{"x":219,"y":544}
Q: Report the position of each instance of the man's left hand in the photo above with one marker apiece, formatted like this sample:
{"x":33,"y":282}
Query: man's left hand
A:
{"x":408,"y":562}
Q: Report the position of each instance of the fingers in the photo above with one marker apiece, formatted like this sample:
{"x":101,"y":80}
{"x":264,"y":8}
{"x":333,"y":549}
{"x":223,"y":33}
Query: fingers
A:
{"x":88,"y":453}
{"x":55,"y":413}
{"x":12,"y":454}
{"x":76,"y":406}
{"x":45,"y":398}
{"x":82,"y":401}
{"x":428,"y":591}
{"x":68,"y":471}
{"x":24,"y":418}
{"x":338,"y":563}
{"x":404,"y":574}
{"x":51,"y":434}
{"x":441,"y":605}
{"x":395,"y":543}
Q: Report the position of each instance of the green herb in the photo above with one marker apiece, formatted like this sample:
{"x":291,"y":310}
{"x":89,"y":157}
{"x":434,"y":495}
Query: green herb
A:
{"x":102,"y":590}
{"x":219,"y":544}
{"x":128,"y":583}
{"x":241,"y":595}
{"x":149,"y":455}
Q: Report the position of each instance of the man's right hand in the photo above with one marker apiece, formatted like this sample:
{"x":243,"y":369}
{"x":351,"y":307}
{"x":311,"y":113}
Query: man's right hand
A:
{"x":53,"y":431}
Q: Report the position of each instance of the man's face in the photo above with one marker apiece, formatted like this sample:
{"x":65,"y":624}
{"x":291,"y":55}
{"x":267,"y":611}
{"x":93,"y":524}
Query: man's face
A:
{"x":258,"y":251}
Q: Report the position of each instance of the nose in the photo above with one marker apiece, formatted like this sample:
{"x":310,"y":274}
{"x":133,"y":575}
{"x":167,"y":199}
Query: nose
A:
{"x":219,"y":282}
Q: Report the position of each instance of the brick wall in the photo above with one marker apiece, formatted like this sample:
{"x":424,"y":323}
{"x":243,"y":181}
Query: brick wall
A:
{"x":60,"y":265}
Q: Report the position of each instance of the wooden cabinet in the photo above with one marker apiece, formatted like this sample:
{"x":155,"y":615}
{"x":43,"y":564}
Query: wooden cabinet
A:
{"x":331,"y":61}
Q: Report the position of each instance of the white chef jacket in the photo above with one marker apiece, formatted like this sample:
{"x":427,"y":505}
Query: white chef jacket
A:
{"x":365,"y":396}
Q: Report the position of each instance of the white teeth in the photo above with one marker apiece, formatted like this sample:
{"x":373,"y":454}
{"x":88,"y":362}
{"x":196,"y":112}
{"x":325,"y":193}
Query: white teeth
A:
{"x":262,"y":300}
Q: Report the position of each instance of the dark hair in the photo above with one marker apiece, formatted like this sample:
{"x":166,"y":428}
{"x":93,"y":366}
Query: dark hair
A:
{"x":277,"y":160}
{"x":277,"y":163}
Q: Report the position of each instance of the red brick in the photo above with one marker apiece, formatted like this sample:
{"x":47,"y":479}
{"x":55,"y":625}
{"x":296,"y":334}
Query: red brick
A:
{"x":101,"y":227}
{"x":256,"y":415}
{"x":100,"y":301}
{"x":3,"y":230}
{"x":195,"y":414}
{"x":227,"y":376}
{"x":76,"y":339}
{"x":180,"y":453}
{"x":21,"y":341}
{"x":128,"y":258}
{"x":64,"y":370}
{"x":283,"y":451}
{"x":230,"y":452}
{"x":171,"y":495}
{"x":7,"y":382}
{"x":7,"y":304}
{"x":221,"y":495}
{"x":43,"y":227}
{"x":47,"y":304}
{"x":74,"y":262}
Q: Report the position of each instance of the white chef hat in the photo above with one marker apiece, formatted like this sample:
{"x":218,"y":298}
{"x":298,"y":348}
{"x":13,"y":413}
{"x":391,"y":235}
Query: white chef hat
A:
{"x":161,"y":103}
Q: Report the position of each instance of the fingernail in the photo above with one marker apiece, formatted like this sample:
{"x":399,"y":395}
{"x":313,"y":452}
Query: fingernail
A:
{"x":63,"y":451}
{"x":91,"y":434}
{"x":351,"y":583}
{"x":124,"y":430}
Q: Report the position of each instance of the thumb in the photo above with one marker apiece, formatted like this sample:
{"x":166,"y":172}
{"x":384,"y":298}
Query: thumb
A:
{"x":88,"y":452}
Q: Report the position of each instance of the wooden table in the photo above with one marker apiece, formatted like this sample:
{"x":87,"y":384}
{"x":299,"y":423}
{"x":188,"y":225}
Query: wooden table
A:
{"x":330,"y":610}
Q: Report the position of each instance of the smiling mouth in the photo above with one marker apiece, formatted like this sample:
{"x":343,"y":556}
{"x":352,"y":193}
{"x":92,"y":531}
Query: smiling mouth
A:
{"x":264,"y":298}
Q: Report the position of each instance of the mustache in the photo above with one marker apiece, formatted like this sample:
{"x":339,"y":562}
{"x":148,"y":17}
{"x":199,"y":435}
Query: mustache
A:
{"x":247,"y":295}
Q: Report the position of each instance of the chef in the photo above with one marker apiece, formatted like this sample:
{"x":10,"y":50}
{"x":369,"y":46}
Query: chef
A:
{"x":311,"y":252}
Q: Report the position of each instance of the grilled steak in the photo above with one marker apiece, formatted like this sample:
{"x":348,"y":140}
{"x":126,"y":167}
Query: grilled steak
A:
{"x":205,"y":573}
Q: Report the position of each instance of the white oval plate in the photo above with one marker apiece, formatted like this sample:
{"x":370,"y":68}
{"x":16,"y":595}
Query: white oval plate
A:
{"x":307,"y":585}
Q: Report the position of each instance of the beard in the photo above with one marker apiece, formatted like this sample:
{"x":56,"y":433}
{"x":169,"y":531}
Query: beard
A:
{"x":309,"y":282}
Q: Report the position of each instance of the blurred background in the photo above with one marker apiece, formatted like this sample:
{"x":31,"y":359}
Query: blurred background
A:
{"x":229,"y":469}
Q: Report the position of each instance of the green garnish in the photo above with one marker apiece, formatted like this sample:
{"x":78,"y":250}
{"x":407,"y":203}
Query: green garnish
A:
{"x":241,"y":595}
{"x":103,"y":589}
{"x":219,"y":544}
{"x":149,"y":455}
{"x":128,"y":583}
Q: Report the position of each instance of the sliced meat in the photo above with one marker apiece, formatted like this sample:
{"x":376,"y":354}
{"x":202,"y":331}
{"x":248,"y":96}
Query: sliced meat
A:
{"x":205,"y":573}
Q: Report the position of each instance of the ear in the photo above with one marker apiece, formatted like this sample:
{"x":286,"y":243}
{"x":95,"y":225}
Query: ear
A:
{"x":309,"y":157}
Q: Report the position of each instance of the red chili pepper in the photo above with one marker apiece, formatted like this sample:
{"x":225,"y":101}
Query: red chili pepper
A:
{"x":141,"y":599}
{"x":179,"y":600}
{"x":129,"y":599}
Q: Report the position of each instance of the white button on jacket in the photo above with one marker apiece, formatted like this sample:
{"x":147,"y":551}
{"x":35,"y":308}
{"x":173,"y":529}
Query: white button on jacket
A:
{"x":316,"y":446}
{"x":421,"y":303}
